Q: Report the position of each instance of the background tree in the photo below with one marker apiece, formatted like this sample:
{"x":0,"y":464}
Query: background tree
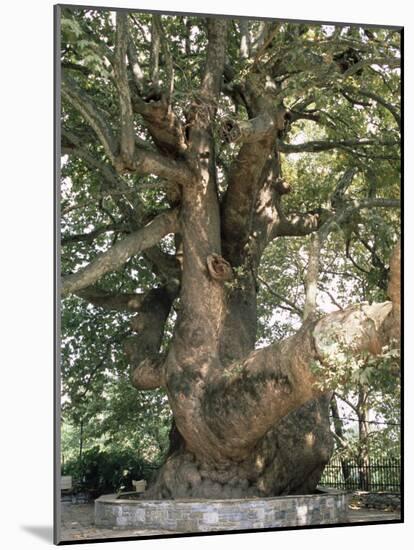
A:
{"x":215,"y":169}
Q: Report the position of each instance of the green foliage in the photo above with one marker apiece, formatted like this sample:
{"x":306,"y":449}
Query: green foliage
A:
{"x":101,"y":472}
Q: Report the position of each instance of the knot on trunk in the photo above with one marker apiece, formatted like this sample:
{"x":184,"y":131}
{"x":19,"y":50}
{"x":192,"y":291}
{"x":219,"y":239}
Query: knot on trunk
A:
{"x":124,"y":164}
{"x":200,"y":110}
{"x":219,"y":268}
{"x":148,"y":375}
{"x":281,"y":186}
{"x":229,"y":130}
{"x":137,"y":323}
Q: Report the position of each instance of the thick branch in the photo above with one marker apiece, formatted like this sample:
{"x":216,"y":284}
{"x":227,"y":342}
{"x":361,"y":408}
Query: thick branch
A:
{"x":91,"y":236}
{"x":111,"y":301}
{"x":216,"y":50}
{"x":163,"y":125}
{"x":245,"y":399}
{"x":118,"y":254}
{"x":148,"y":375}
{"x":150,"y":162}
{"x":312,"y":275}
{"x":242,"y":403}
{"x":147,"y":162}
{"x":143,"y":349}
{"x":244,"y":39}
{"x":249,"y":131}
{"x":121,"y":81}
{"x":155,"y":54}
{"x":298,"y":224}
{"x":255,"y":168}
{"x":248,"y":173}
{"x":169,"y":66}
{"x":129,"y":203}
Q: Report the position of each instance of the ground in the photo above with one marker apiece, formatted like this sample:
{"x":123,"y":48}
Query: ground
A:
{"x":78,"y":523}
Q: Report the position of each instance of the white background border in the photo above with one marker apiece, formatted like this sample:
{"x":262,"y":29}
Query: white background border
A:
{"x":27,"y":266}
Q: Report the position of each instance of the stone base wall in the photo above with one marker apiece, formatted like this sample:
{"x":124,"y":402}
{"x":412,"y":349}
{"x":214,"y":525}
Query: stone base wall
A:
{"x":192,"y":516}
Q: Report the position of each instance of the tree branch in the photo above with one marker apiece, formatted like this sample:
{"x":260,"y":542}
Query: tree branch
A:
{"x":331,"y":297}
{"x":250,"y":131}
{"x":169,"y":66}
{"x":121,"y":82}
{"x":292,"y":307}
{"x":118,"y":254}
{"x":371,"y":95}
{"x":129,"y":203}
{"x":143,"y":350}
{"x":298,"y":224}
{"x":111,"y":301}
{"x":244,"y":39}
{"x":216,"y":50}
{"x":342,"y":398}
{"x":95,"y":118}
{"x":318,"y":146}
{"x":91,"y":236}
{"x":312,"y":275}
{"x":273,"y":381}
{"x":391,"y":62}
{"x":255,"y":168}
{"x":155,"y":54}
{"x":146,"y":162}
{"x":163,"y":125}
{"x":137,"y":72}
{"x":149,"y":162}
{"x":124,"y":197}
{"x":242,"y":401}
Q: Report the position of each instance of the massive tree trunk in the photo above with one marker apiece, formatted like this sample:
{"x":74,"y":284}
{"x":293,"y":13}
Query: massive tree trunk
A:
{"x":247,"y":422}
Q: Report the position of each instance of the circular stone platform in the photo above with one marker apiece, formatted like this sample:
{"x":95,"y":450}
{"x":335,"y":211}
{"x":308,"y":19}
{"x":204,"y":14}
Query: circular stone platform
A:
{"x":328,"y":506}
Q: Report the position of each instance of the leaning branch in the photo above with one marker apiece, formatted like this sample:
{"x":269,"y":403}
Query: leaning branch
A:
{"x":150,"y":162}
{"x":242,"y":401}
{"x":95,"y":118}
{"x":118,"y":254}
{"x":275,"y":380}
{"x":110,"y":300}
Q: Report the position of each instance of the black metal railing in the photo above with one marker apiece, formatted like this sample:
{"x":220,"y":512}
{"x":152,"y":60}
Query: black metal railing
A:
{"x":368,"y":475}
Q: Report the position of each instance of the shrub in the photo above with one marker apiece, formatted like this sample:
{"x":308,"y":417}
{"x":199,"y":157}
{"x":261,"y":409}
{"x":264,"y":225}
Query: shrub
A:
{"x":101,"y":472}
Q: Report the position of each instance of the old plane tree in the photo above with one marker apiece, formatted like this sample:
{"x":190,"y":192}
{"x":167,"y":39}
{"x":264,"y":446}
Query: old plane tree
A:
{"x":179,"y":138}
